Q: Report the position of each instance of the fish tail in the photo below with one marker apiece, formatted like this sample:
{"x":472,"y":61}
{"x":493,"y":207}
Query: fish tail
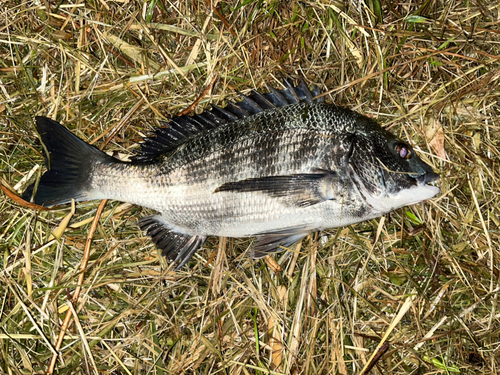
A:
{"x":69,"y":162}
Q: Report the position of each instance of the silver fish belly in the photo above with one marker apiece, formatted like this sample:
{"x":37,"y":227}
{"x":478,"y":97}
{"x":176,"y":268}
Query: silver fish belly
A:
{"x":276,"y":166}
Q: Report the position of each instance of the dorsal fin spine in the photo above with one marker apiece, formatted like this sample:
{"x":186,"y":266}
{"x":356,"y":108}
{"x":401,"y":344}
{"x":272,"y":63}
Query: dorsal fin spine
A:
{"x":261,"y":100}
{"x":236,"y":110}
{"x":224,"y":114}
{"x":181,"y":128}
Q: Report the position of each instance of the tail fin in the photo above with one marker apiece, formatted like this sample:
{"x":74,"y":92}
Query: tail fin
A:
{"x":69,"y":162}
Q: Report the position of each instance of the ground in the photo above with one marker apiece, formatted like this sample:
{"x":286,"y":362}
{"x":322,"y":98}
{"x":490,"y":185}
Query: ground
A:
{"x":413,"y":292}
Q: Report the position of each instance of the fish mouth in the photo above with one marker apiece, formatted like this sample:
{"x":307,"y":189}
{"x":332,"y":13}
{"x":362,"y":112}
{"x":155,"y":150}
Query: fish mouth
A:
{"x":426,"y":178}
{"x":417,"y":190}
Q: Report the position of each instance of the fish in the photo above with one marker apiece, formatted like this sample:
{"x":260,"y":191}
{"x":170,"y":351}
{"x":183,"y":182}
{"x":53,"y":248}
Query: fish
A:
{"x":275,"y":166}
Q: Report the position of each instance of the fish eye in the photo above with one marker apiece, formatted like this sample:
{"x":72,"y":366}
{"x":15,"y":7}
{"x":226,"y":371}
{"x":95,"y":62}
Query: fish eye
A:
{"x":403,"y":151}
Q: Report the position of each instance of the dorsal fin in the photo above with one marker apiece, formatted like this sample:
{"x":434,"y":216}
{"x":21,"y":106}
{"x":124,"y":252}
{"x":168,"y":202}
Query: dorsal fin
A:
{"x":182,"y":128}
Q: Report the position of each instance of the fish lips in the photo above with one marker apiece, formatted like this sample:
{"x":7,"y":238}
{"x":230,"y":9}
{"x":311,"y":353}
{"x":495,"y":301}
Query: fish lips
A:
{"x":423,"y":184}
{"x":426,"y":178}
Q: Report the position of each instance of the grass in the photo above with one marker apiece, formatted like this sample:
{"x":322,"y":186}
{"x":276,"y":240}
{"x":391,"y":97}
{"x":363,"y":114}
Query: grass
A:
{"x":414,"y":292}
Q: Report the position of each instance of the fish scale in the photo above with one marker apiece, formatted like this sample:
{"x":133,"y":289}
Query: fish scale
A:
{"x":275,"y":166}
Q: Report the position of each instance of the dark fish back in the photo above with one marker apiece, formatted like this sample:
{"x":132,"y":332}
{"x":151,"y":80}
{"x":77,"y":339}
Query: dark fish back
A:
{"x":182,"y":128}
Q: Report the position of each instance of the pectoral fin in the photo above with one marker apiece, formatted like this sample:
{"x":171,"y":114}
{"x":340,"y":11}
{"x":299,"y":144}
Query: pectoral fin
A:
{"x":302,"y":190}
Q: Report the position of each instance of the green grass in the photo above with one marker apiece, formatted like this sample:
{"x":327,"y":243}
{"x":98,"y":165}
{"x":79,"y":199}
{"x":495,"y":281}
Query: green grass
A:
{"x":426,"y":276}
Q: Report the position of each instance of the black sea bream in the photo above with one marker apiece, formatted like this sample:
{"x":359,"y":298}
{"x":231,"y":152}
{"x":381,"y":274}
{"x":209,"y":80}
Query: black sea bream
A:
{"x":274,"y":166}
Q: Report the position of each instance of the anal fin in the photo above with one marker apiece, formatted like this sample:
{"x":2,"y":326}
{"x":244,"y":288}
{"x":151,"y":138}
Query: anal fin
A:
{"x":176,"y":247}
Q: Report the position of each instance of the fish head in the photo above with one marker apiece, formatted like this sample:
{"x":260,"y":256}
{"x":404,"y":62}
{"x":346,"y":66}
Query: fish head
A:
{"x":388,"y":172}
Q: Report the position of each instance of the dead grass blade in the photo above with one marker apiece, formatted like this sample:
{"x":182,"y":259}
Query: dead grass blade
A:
{"x":76,"y":293}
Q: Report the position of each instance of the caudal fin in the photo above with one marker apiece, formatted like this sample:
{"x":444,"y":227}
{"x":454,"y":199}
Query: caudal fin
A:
{"x":69,"y":162}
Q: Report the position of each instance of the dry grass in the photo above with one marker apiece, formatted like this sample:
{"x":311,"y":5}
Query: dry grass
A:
{"x":417,"y":288}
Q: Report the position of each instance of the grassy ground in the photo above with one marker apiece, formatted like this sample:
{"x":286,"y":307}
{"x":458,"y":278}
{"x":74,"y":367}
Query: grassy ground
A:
{"x":418,"y":289}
